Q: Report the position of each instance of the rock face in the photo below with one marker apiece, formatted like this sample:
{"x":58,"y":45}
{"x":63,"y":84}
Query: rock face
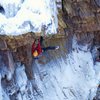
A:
{"x":83,"y":22}
{"x":77,"y":20}
{"x":15,"y":49}
{"x":18,"y":49}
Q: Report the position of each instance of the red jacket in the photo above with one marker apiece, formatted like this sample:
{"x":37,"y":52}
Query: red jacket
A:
{"x":38,"y":47}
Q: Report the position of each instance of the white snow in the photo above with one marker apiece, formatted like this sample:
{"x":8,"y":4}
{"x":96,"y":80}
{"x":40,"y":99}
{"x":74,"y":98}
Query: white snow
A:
{"x":3,"y":95}
{"x":97,"y":69}
{"x":21,"y":78}
{"x":28,"y":16}
{"x":72,"y":78}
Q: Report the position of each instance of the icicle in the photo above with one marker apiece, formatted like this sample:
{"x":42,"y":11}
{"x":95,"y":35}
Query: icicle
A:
{"x":54,"y":20}
{"x":21,"y":77}
{"x":55,"y":12}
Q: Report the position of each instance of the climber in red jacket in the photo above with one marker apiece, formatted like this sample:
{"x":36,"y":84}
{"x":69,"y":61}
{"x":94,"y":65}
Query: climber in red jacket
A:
{"x":37,"y":48}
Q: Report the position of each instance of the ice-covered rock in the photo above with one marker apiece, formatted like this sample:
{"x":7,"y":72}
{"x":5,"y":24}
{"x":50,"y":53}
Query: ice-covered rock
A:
{"x":68,"y":77}
{"x":72,"y":78}
{"x":28,"y":16}
{"x":21,"y":78}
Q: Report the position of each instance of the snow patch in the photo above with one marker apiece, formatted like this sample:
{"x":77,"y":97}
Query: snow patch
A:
{"x":28,"y":16}
{"x":73,"y":78}
{"x":21,"y":78}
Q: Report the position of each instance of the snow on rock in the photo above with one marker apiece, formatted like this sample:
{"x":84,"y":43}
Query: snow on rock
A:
{"x":28,"y":16}
{"x":59,"y":3}
{"x":24,"y":87}
{"x":3,"y":95}
{"x":73,"y":78}
{"x":21,"y":78}
{"x":97,"y":69}
{"x":11,"y":7}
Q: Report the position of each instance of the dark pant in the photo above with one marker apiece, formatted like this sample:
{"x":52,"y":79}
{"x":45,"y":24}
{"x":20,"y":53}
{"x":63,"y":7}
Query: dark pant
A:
{"x":49,"y":48}
{"x":46,"y":49}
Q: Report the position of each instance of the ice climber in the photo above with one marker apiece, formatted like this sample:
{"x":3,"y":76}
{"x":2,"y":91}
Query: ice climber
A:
{"x":37,"y":48}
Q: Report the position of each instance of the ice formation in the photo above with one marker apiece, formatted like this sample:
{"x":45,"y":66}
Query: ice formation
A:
{"x":22,"y":16}
{"x":74,"y":77}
